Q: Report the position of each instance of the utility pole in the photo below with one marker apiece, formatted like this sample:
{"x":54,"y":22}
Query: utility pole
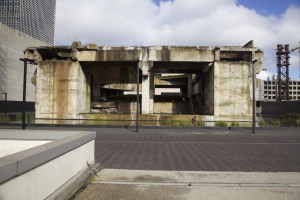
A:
{"x":24,"y":91}
{"x":137,"y":96}
{"x":253,"y":94}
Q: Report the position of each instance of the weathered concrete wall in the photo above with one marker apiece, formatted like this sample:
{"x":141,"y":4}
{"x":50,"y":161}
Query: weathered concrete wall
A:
{"x":232,"y":91}
{"x":226,"y":77}
{"x":127,"y":107}
{"x":171,"y":108}
{"x":63,"y":90}
{"x":154,"y":53}
{"x":12,"y":45}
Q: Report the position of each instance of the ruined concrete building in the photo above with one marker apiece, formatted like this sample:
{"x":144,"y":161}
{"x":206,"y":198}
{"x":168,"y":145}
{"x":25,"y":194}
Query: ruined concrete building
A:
{"x":79,"y":81}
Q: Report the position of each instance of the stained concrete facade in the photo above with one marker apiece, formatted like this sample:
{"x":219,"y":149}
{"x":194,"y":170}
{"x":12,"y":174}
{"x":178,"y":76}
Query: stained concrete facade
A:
{"x":12,"y":45}
{"x":213,"y":81}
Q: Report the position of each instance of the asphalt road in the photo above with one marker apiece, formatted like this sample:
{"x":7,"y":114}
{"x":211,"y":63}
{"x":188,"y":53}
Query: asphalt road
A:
{"x":269,"y":150}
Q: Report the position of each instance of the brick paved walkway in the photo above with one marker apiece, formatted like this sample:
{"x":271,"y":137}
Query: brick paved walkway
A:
{"x":270,"y":150}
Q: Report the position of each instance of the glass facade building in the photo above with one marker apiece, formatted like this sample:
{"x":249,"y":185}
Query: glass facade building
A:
{"x":32,"y":17}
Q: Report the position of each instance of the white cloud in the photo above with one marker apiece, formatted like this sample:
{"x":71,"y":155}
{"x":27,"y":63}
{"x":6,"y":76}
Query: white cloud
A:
{"x":177,"y":22}
{"x":264,"y":75}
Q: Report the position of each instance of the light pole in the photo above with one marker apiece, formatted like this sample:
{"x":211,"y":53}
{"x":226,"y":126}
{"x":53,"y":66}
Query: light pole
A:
{"x":137,"y":96}
{"x":5,"y":103}
{"x":24,"y":60}
{"x":253,"y":94}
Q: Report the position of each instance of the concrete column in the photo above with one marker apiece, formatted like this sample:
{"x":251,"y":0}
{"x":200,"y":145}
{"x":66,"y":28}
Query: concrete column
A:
{"x":217,"y":54}
{"x":147,"y":88}
{"x":96,"y":91}
{"x":62,"y":90}
{"x":152,"y":92}
{"x":191,"y":93}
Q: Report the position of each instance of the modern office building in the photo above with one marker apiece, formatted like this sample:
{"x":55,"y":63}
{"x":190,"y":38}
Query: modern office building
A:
{"x":12,"y":45}
{"x":268,"y":88}
{"x":32,"y":17}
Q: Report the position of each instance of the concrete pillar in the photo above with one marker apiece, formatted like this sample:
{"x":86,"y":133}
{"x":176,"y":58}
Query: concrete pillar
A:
{"x":191,"y":93}
{"x":147,"y":87}
{"x":217,"y":54}
{"x":63,"y":90}
{"x":96,"y":91}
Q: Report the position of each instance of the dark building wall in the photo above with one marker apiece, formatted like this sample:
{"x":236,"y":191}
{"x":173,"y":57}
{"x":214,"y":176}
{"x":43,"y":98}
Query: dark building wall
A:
{"x":16,"y":106}
{"x":280,"y":108}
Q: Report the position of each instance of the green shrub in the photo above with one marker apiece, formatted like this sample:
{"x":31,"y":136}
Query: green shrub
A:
{"x":221,"y":123}
{"x":289,"y":119}
{"x":4,"y":119}
{"x":275,"y":123}
{"x":29,"y":117}
{"x":185,"y":123}
{"x":19,"y":117}
{"x":235,"y":124}
{"x":168,"y":122}
{"x":261,"y":123}
{"x":200,"y":123}
{"x":298,"y":122}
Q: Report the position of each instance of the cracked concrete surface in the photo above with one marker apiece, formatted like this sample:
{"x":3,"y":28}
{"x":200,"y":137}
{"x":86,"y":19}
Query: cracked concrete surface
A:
{"x":186,"y":185}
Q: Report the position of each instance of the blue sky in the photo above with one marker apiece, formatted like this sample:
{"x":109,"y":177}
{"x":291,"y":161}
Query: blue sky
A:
{"x":267,"y":7}
{"x":264,"y":7}
{"x":183,"y":22}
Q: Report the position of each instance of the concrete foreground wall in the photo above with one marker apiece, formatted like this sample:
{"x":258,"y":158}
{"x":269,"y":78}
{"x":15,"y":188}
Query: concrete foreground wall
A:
{"x":219,"y":82}
{"x":44,"y":171}
{"x":12,"y":45}
{"x":8,"y":147}
{"x":41,"y":182}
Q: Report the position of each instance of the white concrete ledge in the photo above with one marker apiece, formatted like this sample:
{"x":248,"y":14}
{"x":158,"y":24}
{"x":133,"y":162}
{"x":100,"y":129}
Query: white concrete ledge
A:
{"x":46,"y":167}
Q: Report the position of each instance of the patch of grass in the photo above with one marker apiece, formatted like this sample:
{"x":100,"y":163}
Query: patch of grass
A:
{"x":221,"y":123}
{"x":93,"y":179}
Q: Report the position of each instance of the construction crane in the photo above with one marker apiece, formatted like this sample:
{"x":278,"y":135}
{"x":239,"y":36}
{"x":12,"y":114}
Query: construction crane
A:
{"x":283,"y":63}
{"x":299,"y":56}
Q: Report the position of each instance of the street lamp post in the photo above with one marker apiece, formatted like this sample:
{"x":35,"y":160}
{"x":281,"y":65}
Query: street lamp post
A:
{"x":24,"y":92}
{"x":253,"y":94}
{"x":5,"y":103}
{"x":137,"y":96}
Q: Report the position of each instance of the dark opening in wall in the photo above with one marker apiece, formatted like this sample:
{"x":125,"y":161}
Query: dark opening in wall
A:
{"x":235,"y":56}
